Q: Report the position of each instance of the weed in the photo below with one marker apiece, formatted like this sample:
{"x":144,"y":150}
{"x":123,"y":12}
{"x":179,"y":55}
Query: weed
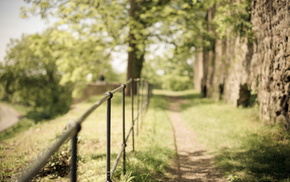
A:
{"x":58,"y":165}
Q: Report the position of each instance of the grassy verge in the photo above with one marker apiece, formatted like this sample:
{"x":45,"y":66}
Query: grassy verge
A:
{"x":20,"y":126}
{"x":153,"y":148}
{"x":245,"y":148}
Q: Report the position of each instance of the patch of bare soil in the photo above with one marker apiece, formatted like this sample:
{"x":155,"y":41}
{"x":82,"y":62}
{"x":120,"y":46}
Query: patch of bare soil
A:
{"x":192,"y":163}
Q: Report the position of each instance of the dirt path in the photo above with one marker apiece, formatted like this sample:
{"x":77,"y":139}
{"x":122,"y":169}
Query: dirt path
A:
{"x":192,"y":161}
{"x":8,"y":117}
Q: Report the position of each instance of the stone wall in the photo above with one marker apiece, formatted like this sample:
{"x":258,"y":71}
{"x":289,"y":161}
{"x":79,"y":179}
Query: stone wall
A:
{"x":239,"y":67}
{"x":271,"y":59}
{"x":96,"y":89}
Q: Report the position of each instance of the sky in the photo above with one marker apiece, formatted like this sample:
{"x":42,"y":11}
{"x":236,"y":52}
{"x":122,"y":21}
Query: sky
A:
{"x":13,"y":26}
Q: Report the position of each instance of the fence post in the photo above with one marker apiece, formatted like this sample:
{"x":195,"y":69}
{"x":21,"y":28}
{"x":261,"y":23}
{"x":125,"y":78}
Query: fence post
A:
{"x":132,"y":109}
{"x":109,"y":136}
{"x":138,"y":114}
{"x":124,"y":128}
{"x":74,"y":161}
{"x":142,"y":102}
{"x":148,"y":94}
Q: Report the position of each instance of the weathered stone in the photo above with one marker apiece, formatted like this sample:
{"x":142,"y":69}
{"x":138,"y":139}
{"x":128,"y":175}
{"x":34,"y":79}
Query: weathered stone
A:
{"x":273,"y":60}
{"x":287,"y":66}
{"x":287,"y":76}
{"x":263,"y":65}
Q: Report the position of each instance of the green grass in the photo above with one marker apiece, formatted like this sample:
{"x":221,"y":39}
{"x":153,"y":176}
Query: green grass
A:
{"x":155,"y":145}
{"x":23,"y":125}
{"x":245,"y":148}
{"x":151,"y":155}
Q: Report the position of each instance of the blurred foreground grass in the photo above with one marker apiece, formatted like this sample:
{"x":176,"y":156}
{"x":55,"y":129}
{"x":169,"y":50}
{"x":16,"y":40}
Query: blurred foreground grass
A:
{"x":153,"y":145}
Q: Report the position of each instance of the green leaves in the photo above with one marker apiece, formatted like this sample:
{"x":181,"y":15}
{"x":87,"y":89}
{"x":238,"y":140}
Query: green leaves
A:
{"x":235,"y":17}
{"x":171,"y":72}
{"x":30,"y":76}
{"x":86,"y":31}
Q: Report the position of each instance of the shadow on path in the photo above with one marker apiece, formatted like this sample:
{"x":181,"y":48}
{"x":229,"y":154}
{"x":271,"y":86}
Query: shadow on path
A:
{"x":194,"y":166}
{"x":192,"y":163}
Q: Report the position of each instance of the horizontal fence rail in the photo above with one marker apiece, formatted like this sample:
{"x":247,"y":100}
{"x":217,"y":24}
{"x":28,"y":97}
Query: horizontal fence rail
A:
{"x":140,"y":90}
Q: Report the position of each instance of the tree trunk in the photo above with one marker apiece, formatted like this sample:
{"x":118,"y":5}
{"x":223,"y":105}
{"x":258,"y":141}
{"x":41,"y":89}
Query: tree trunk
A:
{"x":198,"y":70}
{"x":208,"y":57}
{"x":135,"y":63}
{"x":132,"y":46}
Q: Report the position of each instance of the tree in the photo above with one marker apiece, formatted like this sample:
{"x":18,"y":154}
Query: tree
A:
{"x":171,"y":72}
{"x":101,"y":26}
{"x":90,"y":30}
{"x":143,"y":16}
{"x":224,"y":22}
{"x":178,"y":33}
{"x":108,"y":23}
{"x":201,"y":26}
{"x":30,"y":76}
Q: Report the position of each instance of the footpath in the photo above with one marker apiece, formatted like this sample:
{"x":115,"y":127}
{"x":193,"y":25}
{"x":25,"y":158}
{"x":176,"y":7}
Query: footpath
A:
{"x":8,"y":117}
{"x":192,"y":163}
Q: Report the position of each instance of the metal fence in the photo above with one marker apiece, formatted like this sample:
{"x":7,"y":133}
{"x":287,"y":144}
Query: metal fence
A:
{"x":140,"y":99}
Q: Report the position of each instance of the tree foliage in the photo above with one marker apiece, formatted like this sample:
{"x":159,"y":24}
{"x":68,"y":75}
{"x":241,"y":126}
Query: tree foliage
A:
{"x":234,"y":17}
{"x":91,"y":30}
{"x":29,"y":75}
{"x":108,"y":23}
{"x":172,"y":72}
{"x":88,"y":30}
{"x":41,"y":69}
